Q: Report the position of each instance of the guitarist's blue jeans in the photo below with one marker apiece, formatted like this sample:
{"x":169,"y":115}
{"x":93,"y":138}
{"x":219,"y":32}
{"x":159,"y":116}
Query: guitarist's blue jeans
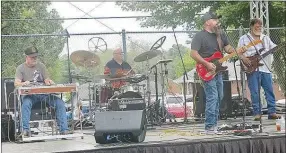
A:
{"x":214,"y":94}
{"x":267,"y":85}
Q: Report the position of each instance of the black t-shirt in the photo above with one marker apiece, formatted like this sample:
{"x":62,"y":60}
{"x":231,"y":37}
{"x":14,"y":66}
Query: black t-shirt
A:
{"x":206,"y":43}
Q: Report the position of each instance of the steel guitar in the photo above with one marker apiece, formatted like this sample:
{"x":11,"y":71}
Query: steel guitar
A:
{"x":43,"y":89}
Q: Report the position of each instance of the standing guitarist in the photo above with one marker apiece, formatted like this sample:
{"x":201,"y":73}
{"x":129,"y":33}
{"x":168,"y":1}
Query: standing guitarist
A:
{"x":204,"y":44}
{"x":263,"y":75}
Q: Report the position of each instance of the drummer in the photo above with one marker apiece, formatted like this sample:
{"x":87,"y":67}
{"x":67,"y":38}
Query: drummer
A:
{"x":118,"y":68}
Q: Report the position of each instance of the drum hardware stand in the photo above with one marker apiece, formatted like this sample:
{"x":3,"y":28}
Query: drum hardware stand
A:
{"x":163,"y":94}
{"x":240,"y":131}
{"x":156,"y":92}
{"x":149,"y":90}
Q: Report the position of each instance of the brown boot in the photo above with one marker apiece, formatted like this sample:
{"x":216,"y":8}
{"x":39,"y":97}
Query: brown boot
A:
{"x":273,"y":116}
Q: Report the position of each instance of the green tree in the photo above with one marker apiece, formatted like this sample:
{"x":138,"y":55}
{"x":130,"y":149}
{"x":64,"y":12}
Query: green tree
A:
{"x":234,"y":14}
{"x":13,"y":46}
{"x":168,"y":14}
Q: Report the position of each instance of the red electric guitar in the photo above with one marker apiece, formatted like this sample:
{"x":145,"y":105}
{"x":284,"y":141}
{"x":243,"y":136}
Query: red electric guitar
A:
{"x":217,"y":59}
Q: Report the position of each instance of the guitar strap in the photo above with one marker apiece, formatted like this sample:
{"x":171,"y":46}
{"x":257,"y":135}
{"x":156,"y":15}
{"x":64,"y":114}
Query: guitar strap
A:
{"x":254,"y":45}
{"x":219,"y":41}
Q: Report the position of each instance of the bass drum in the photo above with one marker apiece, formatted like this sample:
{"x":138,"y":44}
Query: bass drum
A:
{"x":127,"y":101}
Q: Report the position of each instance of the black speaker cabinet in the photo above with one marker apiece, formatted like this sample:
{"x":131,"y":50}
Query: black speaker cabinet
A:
{"x":121,"y":124}
{"x":7,"y":96}
{"x":7,"y":128}
{"x":200,"y":100}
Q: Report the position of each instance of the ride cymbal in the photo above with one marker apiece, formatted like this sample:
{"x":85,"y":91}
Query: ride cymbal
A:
{"x":147,"y":55}
{"x":85,"y":58}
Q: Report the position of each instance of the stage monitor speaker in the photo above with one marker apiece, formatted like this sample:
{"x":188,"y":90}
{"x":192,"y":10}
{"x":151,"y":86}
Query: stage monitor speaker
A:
{"x":7,"y":96}
{"x":125,"y":124}
{"x":200,"y":100}
{"x":7,"y":128}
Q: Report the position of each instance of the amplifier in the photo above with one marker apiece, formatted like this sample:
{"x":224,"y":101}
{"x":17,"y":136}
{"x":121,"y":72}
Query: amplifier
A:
{"x":125,"y":104}
{"x":7,"y":96}
{"x":7,"y":128}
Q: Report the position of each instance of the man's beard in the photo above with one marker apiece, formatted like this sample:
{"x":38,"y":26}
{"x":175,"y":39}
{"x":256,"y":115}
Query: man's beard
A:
{"x":257,"y":33}
{"x":216,"y":29}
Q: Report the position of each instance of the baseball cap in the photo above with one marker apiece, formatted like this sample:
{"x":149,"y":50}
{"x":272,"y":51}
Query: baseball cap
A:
{"x":210,"y":15}
{"x":31,"y":51}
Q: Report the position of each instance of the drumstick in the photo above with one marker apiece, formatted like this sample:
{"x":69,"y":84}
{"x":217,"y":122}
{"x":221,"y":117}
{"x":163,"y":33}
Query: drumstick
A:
{"x":129,"y":71}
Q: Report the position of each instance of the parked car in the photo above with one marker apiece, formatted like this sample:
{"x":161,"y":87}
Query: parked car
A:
{"x":174,"y":104}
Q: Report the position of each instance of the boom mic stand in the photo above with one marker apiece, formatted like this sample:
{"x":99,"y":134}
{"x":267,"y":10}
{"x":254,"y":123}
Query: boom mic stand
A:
{"x":184,"y":77}
{"x":241,"y":97}
{"x":259,"y":82}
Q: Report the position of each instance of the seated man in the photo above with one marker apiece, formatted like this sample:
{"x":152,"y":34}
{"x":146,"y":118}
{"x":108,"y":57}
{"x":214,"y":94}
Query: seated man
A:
{"x":118,"y":68}
{"x":35,"y":72}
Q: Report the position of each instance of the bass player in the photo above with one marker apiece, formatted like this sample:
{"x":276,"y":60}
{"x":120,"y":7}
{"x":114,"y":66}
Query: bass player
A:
{"x":263,"y":75}
{"x":204,"y":44}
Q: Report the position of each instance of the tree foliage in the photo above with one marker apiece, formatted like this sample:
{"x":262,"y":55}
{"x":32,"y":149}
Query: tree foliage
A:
{"x":187,"y":13}
{"x":13,"y":46}
{"x":234,"y":14}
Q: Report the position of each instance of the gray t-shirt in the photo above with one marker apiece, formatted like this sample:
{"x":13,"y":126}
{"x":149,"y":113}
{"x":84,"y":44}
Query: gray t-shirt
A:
{"x":206,"y":43}
{"x":38,"y":73}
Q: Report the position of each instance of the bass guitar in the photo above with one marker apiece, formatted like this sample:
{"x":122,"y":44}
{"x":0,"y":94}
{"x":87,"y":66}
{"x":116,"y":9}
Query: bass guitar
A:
{"x":256,"y":58}
{"x":217,"y":59}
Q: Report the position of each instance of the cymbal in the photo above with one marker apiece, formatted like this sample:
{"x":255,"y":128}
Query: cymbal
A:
{"x":77,"y":76}
{"x":164,"y":61}
{"x":117,"y":79}
{"x":147,"y":55}
{"x":84,"y":58}
{"x":104,"y":76}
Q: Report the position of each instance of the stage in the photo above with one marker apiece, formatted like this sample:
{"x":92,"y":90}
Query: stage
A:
{"x":169,"y":138}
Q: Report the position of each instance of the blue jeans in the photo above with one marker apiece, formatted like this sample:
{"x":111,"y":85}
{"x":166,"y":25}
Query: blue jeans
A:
{"x":29,"y":100}
{"x":265,"y":80}
{"x":214,"y":94}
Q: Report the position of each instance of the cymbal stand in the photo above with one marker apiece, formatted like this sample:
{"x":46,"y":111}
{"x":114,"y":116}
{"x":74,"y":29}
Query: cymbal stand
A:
{"x":149,"y":91}
{"x":164,"y":73}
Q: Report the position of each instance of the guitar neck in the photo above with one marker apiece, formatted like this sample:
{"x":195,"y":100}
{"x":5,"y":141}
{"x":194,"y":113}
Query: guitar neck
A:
{"x":240,"y":50}
{"x":225,"y":58}
{"x":271,"y":51}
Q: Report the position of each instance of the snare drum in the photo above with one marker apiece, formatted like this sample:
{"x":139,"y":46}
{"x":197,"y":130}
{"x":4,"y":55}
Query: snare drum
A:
{"x":133,"y":87}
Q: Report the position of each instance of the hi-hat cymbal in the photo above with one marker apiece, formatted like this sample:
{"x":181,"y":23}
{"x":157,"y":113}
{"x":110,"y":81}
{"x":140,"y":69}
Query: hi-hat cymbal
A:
{"x":85,"y":58}
{"x":147,"y":55}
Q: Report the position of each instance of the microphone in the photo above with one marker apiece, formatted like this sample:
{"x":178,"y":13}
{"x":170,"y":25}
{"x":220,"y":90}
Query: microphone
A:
{"x":174,"y":27}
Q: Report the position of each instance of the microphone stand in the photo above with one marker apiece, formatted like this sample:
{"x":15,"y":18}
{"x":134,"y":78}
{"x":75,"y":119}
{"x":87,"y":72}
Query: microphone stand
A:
{"x":184,"y":77}
{"x":259,"y":82}
{"x":242,"y":86}
{"x":259,"y":86}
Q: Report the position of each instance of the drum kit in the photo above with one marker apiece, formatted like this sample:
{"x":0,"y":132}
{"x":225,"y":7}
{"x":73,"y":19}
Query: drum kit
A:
{"x":102,"y":97}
